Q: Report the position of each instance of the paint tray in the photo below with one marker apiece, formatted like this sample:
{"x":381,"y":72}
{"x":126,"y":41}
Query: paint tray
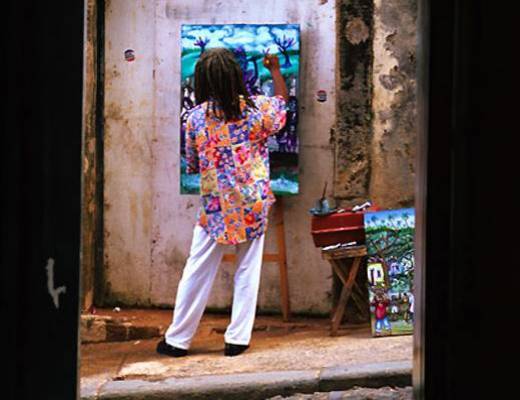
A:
{"x":339,"y":227}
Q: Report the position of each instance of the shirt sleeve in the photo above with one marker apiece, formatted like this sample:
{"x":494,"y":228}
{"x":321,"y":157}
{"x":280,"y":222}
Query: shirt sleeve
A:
{"x":274,"y":115}
{"x":192,"y":154}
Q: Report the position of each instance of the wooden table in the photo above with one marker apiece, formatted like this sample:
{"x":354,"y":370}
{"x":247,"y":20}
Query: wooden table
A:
{"x":345,"y":264}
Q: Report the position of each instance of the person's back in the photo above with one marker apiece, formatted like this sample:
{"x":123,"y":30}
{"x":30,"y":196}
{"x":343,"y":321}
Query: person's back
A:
{"x":226,"y":144}
{"x":226,"y":136}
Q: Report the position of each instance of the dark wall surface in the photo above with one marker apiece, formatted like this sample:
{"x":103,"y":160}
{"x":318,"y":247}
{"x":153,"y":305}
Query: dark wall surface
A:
{"x":41,"y":225}
{"x":466,"y":344}
{"x":353,"y":133}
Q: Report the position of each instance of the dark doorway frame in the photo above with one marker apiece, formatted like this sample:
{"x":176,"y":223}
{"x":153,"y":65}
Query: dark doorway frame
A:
{"x":460,"y":88}
{"x":41,"y":167}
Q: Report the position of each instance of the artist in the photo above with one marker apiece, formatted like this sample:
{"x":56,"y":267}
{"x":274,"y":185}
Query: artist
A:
{"x":226,"y":136}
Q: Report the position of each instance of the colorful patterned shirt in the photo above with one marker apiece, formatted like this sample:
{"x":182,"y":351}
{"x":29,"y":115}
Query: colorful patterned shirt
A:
{"x":233,"y":161}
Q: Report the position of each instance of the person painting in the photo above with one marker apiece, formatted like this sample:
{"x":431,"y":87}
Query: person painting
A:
{"x":226,"y":134}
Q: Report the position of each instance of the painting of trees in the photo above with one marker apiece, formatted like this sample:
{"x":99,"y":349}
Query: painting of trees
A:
{"x":390,"y":240}
{"x":390,"y":243}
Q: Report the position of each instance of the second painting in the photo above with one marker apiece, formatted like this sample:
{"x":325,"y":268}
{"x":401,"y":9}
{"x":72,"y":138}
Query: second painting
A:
{"x":391,"y":265}
{"x":249,"y":43}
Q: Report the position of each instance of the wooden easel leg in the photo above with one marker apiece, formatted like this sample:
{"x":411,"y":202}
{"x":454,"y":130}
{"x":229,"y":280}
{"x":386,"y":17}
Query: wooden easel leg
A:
{"x":282,"y":259}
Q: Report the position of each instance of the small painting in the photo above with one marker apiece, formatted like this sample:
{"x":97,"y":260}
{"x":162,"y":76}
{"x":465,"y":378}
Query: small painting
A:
{"x":390,"y":270}
{"x":249,"y":43}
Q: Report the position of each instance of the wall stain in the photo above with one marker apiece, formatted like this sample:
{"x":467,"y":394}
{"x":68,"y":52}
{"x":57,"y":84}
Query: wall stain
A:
{"x":393,"y":172}
{"x":356,"y":31}
{"x":175,"y":257}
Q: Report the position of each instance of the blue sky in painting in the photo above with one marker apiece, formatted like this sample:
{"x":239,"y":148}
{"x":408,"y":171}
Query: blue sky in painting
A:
{"x":254,"y":38}
{"x":396,"y":214}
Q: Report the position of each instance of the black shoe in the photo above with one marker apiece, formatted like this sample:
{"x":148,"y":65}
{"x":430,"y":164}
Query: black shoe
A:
{"x":169,"y":350}
{"x":231,"y":349}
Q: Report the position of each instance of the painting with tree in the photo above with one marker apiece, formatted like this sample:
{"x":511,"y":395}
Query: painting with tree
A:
{"x":250,"y":43}
{"x":390,"y":270}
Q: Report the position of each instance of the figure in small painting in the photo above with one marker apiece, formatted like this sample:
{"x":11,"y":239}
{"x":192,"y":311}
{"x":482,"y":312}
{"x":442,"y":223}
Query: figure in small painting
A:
{"x":412,"y":305}
{"x":405,"y":307}
{"x":380,"y":305}
{"x":394,"y":308}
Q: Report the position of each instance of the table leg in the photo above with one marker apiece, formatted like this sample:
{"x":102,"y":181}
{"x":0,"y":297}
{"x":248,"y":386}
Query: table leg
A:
{"x":340,"y":279}
{"x":345,"y":294}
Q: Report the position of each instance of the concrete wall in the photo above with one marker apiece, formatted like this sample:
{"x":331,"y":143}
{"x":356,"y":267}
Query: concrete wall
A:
{"x":394,"y":103}
{"x":376,"y":127}
{"x":148,"y":224}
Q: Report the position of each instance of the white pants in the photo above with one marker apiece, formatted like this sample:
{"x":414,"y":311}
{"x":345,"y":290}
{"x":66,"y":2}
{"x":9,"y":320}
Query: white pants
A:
{"x":196,"y":283}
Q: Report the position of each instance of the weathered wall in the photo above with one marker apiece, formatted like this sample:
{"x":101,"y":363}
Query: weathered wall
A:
{"x":376,"y":105}
{"x":353,"y":133}
{"x":394,"y":103}
{"x":130,"y":123}
{"x":91,"y":195}
{"x":148,"y":224}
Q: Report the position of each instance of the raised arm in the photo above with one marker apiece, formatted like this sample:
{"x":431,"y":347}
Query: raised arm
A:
{"x":272,"y":63}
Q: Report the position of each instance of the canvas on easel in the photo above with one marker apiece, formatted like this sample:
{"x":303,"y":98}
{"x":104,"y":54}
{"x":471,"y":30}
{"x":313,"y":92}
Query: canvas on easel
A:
{"x":390,"y":270}
{"x":249,"y":43}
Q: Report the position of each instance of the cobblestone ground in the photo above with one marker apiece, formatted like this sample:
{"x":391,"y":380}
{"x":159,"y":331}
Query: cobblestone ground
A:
{"x":385,"y":393}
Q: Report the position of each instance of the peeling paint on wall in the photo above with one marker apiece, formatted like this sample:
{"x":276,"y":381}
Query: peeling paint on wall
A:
{"x":394,"y":104}
{"x":91,"y":218}
{"x":376,"y":105}
{"x":356,"y":31}
{"x":353,"y":132}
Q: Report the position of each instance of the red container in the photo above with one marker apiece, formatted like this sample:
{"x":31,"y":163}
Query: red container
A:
{"x":341,"y":227}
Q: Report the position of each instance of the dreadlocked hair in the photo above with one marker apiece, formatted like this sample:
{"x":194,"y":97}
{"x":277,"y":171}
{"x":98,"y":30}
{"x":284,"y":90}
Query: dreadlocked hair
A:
{"x":218,"y":77}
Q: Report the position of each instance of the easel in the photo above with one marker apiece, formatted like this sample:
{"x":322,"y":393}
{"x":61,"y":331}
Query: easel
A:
{"x":280,"y":258}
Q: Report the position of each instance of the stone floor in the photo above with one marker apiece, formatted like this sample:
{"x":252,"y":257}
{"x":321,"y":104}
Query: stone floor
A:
{"x":302,"y":343}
